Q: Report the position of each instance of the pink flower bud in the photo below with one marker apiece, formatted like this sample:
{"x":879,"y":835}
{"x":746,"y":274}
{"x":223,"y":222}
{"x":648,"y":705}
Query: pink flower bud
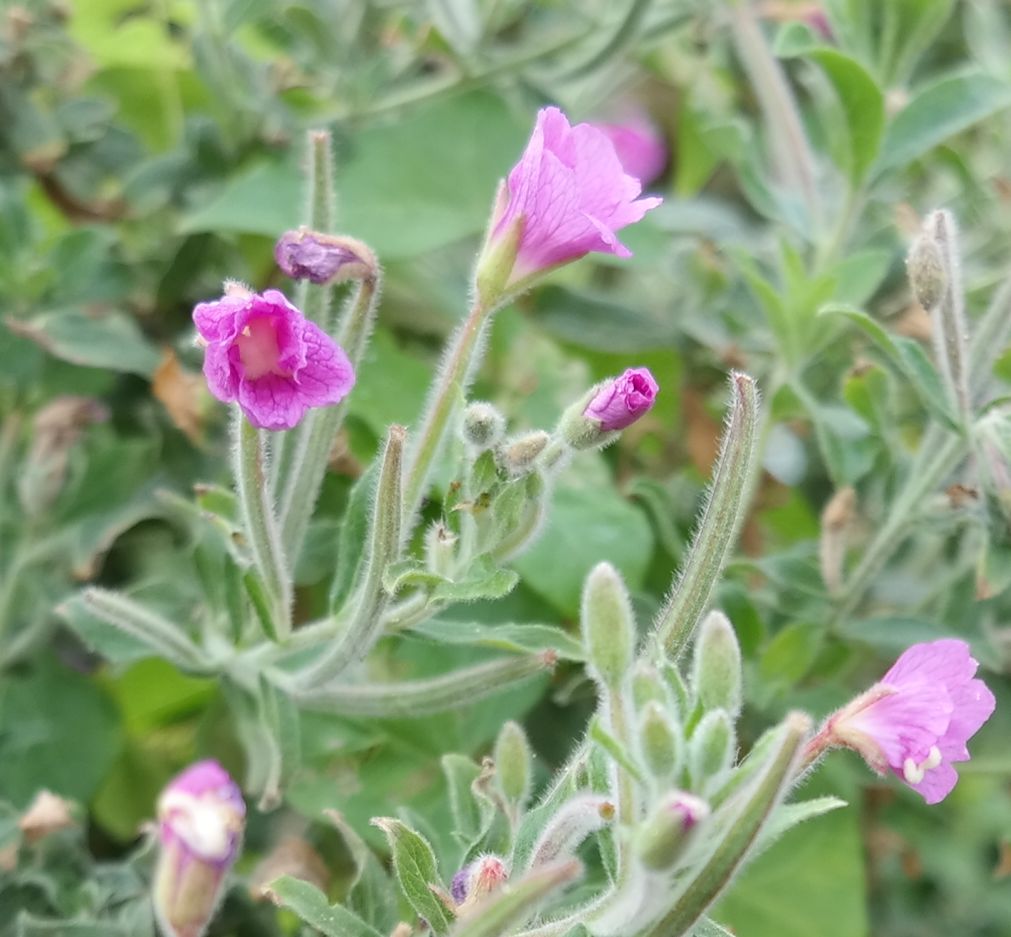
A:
{"x":917,"y":719}
{"x":262,"y":353}
{"x":201,"y":817}
{"x":476,"y":880}
{"x":622,"y":401}
{"x":567,"y":196}
{"x":322,"y":258}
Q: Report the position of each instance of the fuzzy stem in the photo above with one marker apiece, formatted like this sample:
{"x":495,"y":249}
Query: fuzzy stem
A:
{"x":460,"y":359}
{"x":312,"y":440}
{"x":366,"y":623}
{"x":624,"y":788}
{"x":259,"y":521}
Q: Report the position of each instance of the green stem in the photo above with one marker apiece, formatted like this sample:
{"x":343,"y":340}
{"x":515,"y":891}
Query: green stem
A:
{"x":460,"y":360}
{"x":627,"y":814}
{"x":313,"y":439}
{"x":259,"y":521}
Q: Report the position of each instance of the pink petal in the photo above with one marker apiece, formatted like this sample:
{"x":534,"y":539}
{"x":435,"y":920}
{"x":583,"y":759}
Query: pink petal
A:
{"x":906,"y":724}
{"x":221,"y":374}
{"x":271,"y":402}
{"x":973,"y":705}
{"x":327,"y":376}
{"x":946,"y":662}
{"x":936,"y":784}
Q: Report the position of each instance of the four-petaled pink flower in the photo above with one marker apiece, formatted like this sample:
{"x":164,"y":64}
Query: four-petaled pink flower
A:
{"x":622,"y":401}
{"x":639,"y":147}
{"x":567,"y":196}
{"x":917,"y":719}
{"x":265,"y":355}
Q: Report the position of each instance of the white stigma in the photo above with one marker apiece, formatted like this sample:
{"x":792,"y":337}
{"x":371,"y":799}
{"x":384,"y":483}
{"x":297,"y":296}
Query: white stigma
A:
{"x":914,"y":773}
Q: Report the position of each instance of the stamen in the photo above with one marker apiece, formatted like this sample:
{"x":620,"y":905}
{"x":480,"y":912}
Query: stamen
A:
{"x":912,"y":772}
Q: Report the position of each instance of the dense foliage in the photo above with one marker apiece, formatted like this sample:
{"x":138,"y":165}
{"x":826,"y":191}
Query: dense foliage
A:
{"x":152,"y":150}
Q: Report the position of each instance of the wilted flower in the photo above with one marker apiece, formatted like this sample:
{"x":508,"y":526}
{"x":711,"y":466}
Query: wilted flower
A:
{"x":265,"y":355}
{"x":639,"y":146}
{"x":567,"y":196}
{"x":476,"y":880}
{"x":322,"y":258}
{"x":201,"y":817}
{"x":620,"y":402}
{"x":917,"y":719}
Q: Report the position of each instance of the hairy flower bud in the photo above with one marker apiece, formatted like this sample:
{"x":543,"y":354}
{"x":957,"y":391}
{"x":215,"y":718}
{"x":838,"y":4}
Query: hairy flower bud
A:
{"x":201,"y":817}
{"x":476,"y":880}
{"x":599,"y":416}
{"x":668,"y":829}
{"x":660,"y":741}
{"x":647,"y":686}
{"x":573,"y":822}
{"x":323,"y":258}
{"x":518,"y":455}
{"x":716,"y":676}
{"x":512,"y":763}
{"x":483,"y":425}
{"x":608,"y":625}
{"x":925,"y":268}
{"x":440,"y":549}
{"x":712,"y":748}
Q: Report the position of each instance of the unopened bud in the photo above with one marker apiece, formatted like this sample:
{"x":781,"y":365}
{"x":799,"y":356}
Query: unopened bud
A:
{"x":476,"y":880}
{"x":716,"y":676}
{"x":660,"y":740}
{"x":201,"y":817}
{"x":607,"y":409}
{"x":46,"y":814}
{"x":608,"y":625}
{"x":712,"y":748}
{"x":676,"y":684}
{"x":512,"y":763}
{"x":567,"y":829}
{"x":518,"y":455}
{"x":483,"y":425}
{"x":323,"y":258}
{"x":647,"y":686}
{"x":440,"y":549}
{"x":669,"y":828}
{"x":927,"y":276}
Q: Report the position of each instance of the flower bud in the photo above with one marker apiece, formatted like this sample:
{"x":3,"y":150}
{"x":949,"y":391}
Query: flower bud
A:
{"x":716,"y":675}
{"x":483,"y":425}
{"x":668,"y":829}
{"x":660,"y":740}
{"x":608,"y":625}
{"x":440,"y":549}
{"x":512,"y":763}
{"x":608,"y":408}
{"x":517,"y":457}
{"x":647,"y":686}
{"x":925,"y":268}
{"x":475,"y":880}
{"x":201,"y":817}
{"x":567,"y":829}
{"x":323,"y":258}
{"x":713,"y":747}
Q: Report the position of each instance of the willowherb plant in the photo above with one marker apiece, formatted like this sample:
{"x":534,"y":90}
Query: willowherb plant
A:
{"x":656,"y":784}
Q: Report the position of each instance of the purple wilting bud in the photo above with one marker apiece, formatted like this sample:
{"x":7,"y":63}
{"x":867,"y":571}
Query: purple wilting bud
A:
{"x":622,"y":401}
{"x":201,"y":817}
{"x":323,"y":258}
{"x":916,"y":720}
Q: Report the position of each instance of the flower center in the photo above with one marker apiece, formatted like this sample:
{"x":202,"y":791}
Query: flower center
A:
{"x":914,"y":773}
{"x":258,"y":349}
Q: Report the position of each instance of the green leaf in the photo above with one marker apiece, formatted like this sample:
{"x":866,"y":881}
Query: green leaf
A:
{"x":863,"y":105}
{"x":908,"y":357}
{"x":939,"y":111}
{"x":461,"y":772}
{"x":111,"y":341}
{"x":790,"y":654}
{"x":66,"y":745}
{"x":790,"y":815}
{"x":371,"y":894}
{"x":811,"y":882}
{"x":585,"y":527}
{"x":416,"y":870}
{"x":310,"y":904}
{"x":505,"y":637}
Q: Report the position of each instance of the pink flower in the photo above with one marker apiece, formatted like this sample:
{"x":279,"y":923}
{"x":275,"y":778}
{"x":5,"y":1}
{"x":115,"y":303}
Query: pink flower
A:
{"x":265,"y":355}
{"x":917,"y":719}
{"x":623,"y":400}
{"x":567,"y":196}
{"x":640,"y":148}
{"x":201,"y":817}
